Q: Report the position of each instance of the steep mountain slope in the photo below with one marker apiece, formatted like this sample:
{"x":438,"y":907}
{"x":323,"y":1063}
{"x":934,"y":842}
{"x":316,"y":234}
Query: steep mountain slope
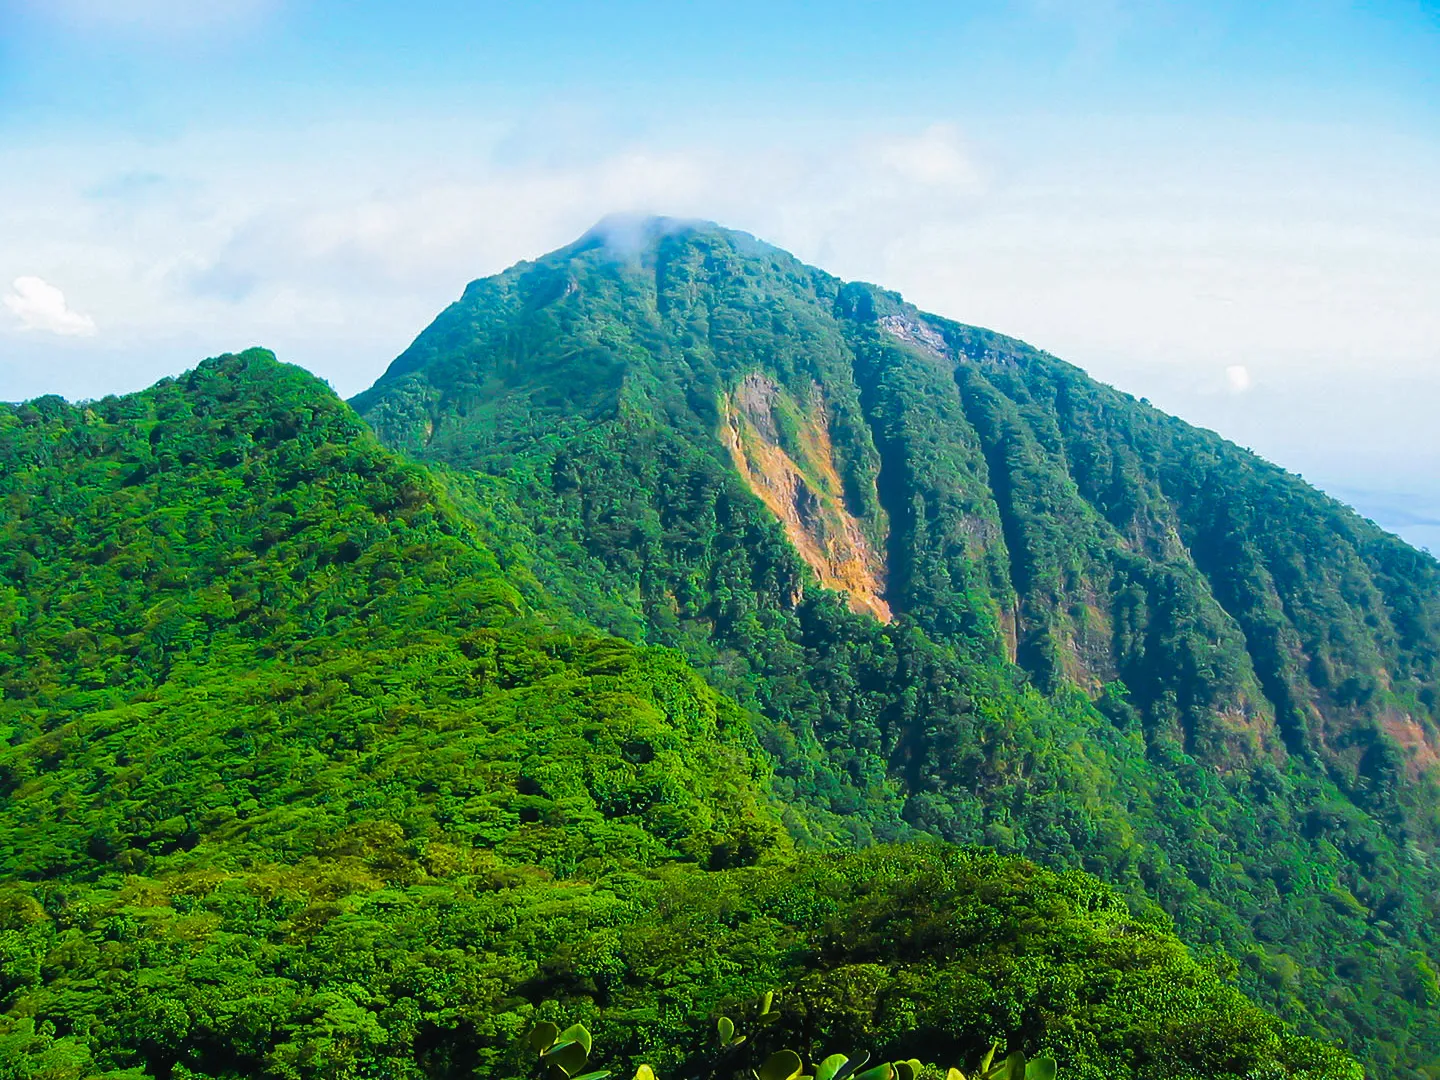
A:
{"x":973,"y":593}
{"x":305,"y":778}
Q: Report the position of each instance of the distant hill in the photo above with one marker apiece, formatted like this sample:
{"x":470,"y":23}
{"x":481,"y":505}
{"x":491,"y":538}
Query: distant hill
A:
{"x":307,"y":777}
{"x":972,"y":593}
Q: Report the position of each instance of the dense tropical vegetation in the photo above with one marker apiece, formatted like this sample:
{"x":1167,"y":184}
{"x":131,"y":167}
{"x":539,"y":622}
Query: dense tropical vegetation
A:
{"x":1118,"y":643}
{"x":699,"y":604}
{"x":306,"y":777}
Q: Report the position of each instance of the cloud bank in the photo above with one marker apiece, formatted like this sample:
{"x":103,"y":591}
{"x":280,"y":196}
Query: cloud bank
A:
{"x":41,"y":306}
{"x":335,"y":244}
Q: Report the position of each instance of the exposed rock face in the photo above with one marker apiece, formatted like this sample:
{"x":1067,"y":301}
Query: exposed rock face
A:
{"x":806,"y":495}
{"x":912,"y":331}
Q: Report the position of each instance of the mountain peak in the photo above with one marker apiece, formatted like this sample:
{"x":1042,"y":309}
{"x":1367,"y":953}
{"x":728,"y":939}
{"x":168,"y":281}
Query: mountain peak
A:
{"x":249,"y":656}
{"x":630,"y":236}
{"x":779,"y":472}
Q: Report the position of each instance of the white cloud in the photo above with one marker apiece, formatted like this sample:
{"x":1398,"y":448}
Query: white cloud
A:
{"x":336,"y":243}
{"x":41,"y":306}
{"x":935,"y":156}
{"x":1237,"y":378}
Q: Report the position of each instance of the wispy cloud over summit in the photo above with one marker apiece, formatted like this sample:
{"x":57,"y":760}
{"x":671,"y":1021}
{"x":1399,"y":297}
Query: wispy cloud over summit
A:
{"x":1221,"y":206}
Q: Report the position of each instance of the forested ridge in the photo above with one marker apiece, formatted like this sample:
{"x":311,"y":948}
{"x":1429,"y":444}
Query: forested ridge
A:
{"x":309,"y":775}
{"x":1105,"y":639}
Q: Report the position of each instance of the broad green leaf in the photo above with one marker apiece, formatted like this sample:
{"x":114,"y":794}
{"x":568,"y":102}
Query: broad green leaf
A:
{"x":989,"y":1057}
{"x":543,"y":1036}
{"x":781,"y":1065}
{"x":577,"y":1033}
{"x":568,"y":1057}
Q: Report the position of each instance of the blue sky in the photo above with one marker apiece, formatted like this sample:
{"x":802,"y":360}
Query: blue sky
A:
{"x":1233,"y":209}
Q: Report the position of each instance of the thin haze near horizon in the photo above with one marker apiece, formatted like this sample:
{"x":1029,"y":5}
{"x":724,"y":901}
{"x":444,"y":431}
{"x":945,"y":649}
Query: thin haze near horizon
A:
{"x":1231,"y":209}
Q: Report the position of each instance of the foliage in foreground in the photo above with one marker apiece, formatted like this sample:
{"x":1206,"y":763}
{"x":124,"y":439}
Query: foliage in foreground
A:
{"x":565,"y":1055}
{"x":340,"y":967}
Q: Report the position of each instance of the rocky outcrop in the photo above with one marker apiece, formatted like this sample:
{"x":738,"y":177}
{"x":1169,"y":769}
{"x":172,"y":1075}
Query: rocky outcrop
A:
{"x":802,"y":487}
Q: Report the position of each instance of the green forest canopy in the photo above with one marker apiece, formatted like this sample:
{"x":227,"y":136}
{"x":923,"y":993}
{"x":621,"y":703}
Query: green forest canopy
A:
{"x":1120,"y":642}
{"x":308,"y":777}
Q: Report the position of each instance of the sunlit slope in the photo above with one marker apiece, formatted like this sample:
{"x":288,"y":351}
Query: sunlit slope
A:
{"x":305,"y":777}
{"x":972,"y":593}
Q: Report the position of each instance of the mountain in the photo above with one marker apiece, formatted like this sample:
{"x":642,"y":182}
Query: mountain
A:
{"x":969,"y":592}
{"x":307,"y":776}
